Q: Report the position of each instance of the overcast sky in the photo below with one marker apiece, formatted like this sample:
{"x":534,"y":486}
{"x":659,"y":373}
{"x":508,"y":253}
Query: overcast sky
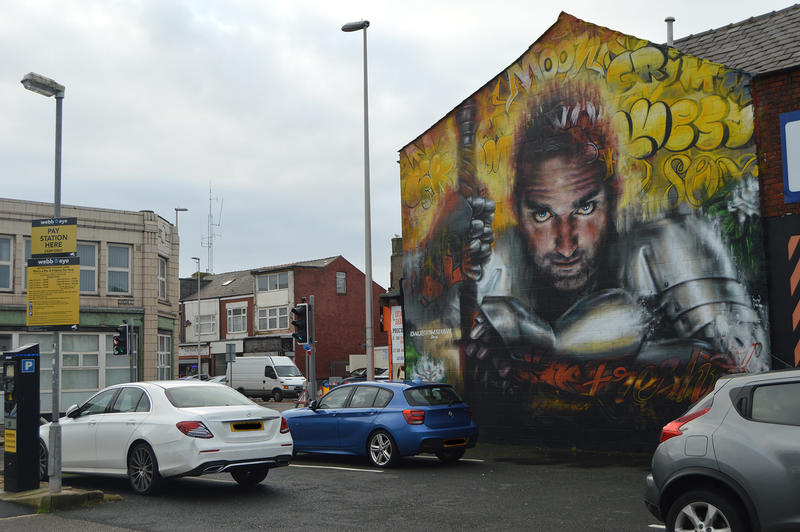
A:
{"x":257,"y":105}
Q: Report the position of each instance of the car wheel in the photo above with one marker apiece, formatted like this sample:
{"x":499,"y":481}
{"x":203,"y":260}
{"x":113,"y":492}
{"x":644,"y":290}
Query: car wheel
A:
{"x":381,"y":449}
{"x":249,"y":476}
{"x":448,"y":456}
{"x":277,"y":395}
{"x":42,"y":461}
{"x":143,"y":470}
{"x":704,"y":510}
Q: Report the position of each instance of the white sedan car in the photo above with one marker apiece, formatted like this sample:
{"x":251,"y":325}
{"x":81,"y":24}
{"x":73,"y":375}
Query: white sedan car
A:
{"x":149,"y":431}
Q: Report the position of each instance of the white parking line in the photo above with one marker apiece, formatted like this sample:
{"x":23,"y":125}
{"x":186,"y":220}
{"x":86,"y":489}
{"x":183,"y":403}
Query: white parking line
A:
{"x":660,"y":527}
{"x":426,"y":457}
{"x":339,"y":468}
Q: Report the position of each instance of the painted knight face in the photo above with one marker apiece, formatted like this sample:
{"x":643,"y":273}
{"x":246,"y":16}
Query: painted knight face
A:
{"x":564,"y":219}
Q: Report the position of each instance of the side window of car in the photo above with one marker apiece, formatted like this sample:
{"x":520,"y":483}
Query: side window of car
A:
{"x":98,"y":403}
{"x":777,"y":403}
{"x":128,"y":400}
{"x":364,"y":397}
{"x":383,"y":398}
{"x":336,"y":398}
{"x":144,"y":403}
{"x":269,"y":372}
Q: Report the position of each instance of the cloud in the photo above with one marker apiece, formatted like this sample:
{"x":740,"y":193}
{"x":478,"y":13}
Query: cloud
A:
{"x":182,"y":103}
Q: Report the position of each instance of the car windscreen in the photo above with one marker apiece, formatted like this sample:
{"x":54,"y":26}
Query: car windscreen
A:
{"x":193,"y":396}
{"x":288,"y":371}
{"x":431,"y":395}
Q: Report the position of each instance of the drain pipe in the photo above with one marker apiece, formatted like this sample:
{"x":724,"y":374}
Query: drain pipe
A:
{"x":669,"y":21}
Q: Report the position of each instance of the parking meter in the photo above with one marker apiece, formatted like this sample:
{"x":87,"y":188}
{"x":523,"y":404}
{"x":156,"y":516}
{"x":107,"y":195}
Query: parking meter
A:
{"x":20,"y":379}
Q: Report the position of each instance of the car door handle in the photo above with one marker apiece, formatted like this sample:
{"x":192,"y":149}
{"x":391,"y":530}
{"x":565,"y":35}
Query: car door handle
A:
{"x":131,"y":422}
{"x":92,"y":423}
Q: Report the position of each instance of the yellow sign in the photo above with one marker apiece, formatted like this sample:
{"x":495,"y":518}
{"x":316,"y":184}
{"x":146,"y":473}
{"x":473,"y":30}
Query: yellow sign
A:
{"x":11,"y":441}
{"x":53,"y":291}
{"x":54,"y":236}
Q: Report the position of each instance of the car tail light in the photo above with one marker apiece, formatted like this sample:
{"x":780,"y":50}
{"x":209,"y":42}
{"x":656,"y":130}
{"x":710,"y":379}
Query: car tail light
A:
{"x":471,"y":415}
{"x":414,"y":417}
{"x":284,"y":426}
{"x":674,"y":428}
{"x":195,"y":429}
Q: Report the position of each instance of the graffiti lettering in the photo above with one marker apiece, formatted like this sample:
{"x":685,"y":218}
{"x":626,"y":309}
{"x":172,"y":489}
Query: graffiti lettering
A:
{"x":707,"y":125}
{"x":668,"y":380}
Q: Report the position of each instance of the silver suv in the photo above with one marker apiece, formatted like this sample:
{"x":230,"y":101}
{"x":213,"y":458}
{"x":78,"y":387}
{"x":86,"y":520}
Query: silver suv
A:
{"x":732,"y":462}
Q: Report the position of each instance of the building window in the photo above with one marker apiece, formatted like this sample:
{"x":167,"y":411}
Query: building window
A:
{"x":237,"y":320}
{"x":273,"y":281}
{"x":119,"y":269}
{"x":80,"y":362}
{"x":207,"y":324}
{"x":5,"y":263}
{"x":341,"y":283}
{"x":164,"y":357}
{"x":273,"y":318}
{"x":162,"y":278}
{"x":88,"y":257}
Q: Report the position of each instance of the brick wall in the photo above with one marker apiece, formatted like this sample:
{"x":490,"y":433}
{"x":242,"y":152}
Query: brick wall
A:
{"x":774,"y":94}
{"x":339,"y":328}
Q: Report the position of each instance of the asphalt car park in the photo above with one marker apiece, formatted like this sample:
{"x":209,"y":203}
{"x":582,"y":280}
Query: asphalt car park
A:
{"x":493,"y":486}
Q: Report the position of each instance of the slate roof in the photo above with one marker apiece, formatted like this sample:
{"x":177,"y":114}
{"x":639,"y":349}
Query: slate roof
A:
{"x":239,"y":283}
{"x":758,"y":45}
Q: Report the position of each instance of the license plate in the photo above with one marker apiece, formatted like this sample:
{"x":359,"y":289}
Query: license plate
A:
{"x":247,"y":426}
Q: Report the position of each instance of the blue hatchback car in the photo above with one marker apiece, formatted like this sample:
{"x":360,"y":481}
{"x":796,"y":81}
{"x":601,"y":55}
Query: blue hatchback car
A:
{"x":384,"y":421}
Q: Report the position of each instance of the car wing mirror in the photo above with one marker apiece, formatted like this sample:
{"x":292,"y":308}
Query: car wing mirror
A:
{"x":313,"y":405}
{"x":73,"y":411}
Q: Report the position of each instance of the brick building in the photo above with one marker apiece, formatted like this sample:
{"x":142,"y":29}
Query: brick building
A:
{"x":252,"y":310}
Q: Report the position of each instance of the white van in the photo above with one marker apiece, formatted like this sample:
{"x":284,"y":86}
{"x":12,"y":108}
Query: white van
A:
{"x":266,"y":376}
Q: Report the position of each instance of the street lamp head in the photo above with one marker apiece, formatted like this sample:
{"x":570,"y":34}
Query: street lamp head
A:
{"x":181,"y":209}
{"x":355,"y":26}
{"x":42,"y":85}
{"x":196,"y":259}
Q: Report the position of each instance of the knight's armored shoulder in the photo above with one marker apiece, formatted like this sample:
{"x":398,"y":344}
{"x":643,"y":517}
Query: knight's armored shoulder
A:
{"x":661,"y":255}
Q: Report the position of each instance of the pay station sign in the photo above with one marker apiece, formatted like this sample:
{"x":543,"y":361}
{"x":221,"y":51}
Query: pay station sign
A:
{"x":54,"y":236}
{"x":53,"y":292}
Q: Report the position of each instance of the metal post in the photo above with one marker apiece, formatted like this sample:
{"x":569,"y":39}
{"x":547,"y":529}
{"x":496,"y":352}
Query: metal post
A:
{"x":55,"y":427}
{"x":313,"y":339}
{"x":48,"y":87}
{"x":199,"y":361}
{"x":368,"y":332}
{"x":131,"y":352}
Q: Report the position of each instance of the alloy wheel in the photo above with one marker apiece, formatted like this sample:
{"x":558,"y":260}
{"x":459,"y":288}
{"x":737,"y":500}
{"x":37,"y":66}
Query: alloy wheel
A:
{"x":381,"y":449}
{"x":142,"y":469}
{"x":700,"y":515}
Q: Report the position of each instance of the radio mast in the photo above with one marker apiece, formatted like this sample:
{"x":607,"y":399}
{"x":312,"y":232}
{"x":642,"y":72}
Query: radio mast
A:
{"x":208,"y":240}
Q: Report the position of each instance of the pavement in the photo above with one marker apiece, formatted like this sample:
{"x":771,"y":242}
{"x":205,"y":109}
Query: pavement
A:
{"x":41,"y":500}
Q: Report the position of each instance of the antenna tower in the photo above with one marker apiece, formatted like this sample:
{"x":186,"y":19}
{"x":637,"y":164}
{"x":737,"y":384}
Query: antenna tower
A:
{"x":208,"y":240}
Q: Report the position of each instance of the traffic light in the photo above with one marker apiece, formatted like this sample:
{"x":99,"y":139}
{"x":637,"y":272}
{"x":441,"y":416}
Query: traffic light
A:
{"x":121,"y":340}
{"x":300,"y":323}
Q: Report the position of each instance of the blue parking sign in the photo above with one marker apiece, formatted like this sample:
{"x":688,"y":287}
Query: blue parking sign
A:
{"x":28,"y":365}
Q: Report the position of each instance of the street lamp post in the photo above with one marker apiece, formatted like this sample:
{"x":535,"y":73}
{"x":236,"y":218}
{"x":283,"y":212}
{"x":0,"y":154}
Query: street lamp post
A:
{"x":197,"y":325}
{"x":48,"y":87}
{"x":349,"y":27}
{"x":177,"y":210}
